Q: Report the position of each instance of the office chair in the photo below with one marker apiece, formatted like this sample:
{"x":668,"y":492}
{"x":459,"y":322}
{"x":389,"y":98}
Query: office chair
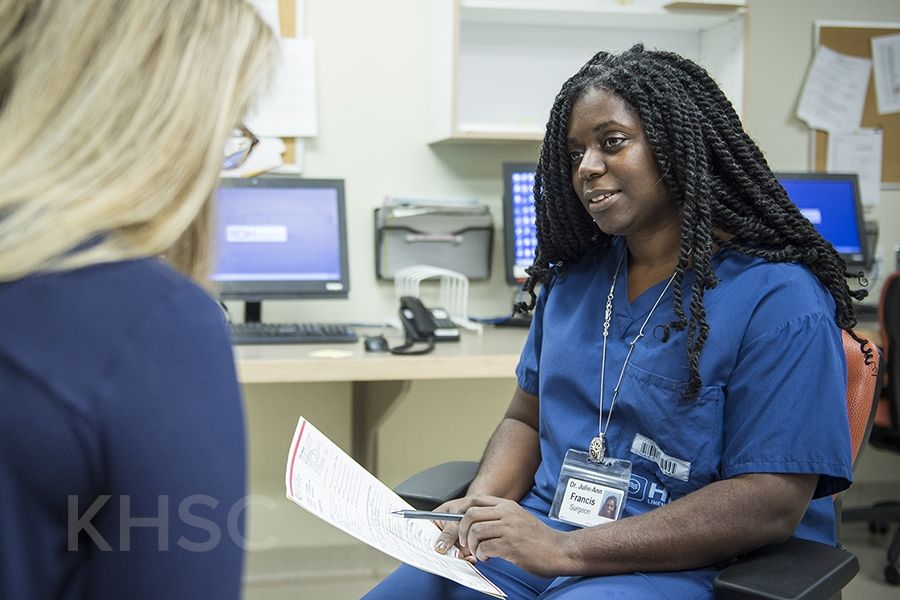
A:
{"x":795,"y":569}
{"x":886,"y":431}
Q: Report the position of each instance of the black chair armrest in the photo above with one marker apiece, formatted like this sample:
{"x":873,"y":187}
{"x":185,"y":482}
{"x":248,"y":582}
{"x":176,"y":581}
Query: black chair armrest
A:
{"x":796,"y":569}
{"x":432,"y":487}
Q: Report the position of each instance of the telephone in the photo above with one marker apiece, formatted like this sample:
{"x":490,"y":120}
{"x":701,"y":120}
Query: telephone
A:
{"x":424,"y":325}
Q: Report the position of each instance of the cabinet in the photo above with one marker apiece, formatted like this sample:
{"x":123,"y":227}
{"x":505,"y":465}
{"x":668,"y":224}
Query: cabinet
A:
{"x":495,"y":66}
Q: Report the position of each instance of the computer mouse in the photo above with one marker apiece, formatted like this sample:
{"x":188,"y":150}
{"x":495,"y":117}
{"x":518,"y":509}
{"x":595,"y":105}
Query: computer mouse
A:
{"x":376,"y":343}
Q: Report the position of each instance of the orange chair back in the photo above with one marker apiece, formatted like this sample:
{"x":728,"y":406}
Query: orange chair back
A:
{"x":889,"y":321}
{"x":863,"y":389}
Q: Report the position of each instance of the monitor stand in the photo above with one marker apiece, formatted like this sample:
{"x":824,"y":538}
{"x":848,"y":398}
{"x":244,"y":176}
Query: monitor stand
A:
{"x":252,"y":312}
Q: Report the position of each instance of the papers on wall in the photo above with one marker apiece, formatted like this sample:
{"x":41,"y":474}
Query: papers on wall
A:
{"x":858,"y":152}
{"x":266,"y":156}
{"x":321,"y":478}
{"x":268,"y":10}
{"x":289,"y":107}
{"x":886,"y":56}
{"x":834,"y":94}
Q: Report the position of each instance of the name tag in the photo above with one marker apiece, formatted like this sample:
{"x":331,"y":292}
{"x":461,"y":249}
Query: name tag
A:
{"x":584,"y":502}
{"x":590,"y":493}
{"x":671,"y":466}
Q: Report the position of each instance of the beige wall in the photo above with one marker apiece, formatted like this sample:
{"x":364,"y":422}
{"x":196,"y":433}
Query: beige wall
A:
{"x":780,"y":49}
{"x":372,"y":133}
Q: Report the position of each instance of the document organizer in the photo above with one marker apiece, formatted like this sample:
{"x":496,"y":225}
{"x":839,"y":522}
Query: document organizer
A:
{"x":455,"y":237}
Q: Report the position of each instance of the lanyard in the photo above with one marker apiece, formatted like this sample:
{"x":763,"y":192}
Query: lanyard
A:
{"x":597,"y":449}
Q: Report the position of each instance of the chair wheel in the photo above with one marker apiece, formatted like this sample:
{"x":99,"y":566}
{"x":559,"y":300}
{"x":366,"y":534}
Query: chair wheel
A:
{"x":892,"y":574}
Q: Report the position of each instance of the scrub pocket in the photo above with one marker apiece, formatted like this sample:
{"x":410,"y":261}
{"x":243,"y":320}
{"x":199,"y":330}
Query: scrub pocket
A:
{"x":677,"y":441}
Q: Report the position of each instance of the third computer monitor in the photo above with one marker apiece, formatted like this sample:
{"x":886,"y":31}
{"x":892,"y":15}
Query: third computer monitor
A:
{"x":831,"y":202}
{"x":520,"y":237}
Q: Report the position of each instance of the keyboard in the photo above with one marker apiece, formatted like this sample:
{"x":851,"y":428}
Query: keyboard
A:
{"x":292,"y":333}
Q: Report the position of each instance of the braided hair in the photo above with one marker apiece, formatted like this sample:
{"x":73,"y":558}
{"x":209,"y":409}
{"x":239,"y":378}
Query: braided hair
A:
{"x":712,"y":168}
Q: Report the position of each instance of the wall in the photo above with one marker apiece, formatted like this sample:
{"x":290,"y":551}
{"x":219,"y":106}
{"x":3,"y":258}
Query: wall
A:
{"x":781,"y":34}
{"x":372,"y":133}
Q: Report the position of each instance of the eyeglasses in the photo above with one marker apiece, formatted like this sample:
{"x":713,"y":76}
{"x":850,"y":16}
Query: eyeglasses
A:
{"x":238,"y":147}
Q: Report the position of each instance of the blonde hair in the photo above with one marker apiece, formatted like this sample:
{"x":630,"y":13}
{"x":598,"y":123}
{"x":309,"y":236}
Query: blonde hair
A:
{"x":113,"y":119}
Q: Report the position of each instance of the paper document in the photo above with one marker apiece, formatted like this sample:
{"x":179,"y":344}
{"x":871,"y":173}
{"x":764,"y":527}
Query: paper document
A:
{"x":288,"y":108}
{"x":325,"y":481}
{"x":834,"y":94}
{"x":858,"y":152}
{"x":886,"y":55}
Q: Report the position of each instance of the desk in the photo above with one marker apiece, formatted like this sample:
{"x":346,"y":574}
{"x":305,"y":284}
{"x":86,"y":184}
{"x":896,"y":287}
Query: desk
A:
{"x":379,"y":378}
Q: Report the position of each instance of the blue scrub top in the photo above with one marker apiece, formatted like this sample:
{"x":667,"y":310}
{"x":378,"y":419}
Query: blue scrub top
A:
{"x":773,"y":371}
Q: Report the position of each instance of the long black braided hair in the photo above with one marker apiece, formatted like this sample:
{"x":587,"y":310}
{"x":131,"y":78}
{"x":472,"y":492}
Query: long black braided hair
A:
{"x":712,"y":168}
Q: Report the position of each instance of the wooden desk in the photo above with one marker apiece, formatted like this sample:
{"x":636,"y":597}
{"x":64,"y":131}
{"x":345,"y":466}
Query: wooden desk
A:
{"x":379,"y":378}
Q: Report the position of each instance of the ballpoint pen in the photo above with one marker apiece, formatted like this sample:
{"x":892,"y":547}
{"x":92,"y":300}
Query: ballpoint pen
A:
{"x":424,"y":514}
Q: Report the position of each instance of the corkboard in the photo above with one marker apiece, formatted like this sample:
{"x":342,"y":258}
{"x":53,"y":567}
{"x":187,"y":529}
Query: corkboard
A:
{"x":856,"y":41}
{"x":287,"y":15}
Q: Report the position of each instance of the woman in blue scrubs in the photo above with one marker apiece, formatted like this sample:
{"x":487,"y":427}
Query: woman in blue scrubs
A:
{"x":690,"y":318}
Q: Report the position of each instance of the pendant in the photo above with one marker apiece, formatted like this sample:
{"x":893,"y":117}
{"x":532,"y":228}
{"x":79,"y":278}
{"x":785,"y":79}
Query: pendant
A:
{"x":597,"y":449}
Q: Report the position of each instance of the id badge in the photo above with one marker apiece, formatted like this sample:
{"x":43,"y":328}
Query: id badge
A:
{"x":590,"y":493}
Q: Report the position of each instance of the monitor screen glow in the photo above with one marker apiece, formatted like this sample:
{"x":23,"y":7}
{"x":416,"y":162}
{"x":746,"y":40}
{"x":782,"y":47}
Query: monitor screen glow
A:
{"x":518,"y":216}
{"x":832,"y":204}
{"x":830,"y":201}
{"x":280,"y":237}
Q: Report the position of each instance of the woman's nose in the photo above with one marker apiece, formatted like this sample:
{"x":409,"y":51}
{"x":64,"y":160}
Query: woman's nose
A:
{"x":592,"y":165}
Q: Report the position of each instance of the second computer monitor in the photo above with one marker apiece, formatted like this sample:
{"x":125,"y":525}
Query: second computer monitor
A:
{"x":831,"y":202}
{"x":520,"y":234}
{"x":281,"y":237}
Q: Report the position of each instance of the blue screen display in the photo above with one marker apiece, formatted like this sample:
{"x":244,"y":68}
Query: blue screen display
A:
{"x":521,"y":187}
{"x":831,"y":206}
{"x":277,"y":234}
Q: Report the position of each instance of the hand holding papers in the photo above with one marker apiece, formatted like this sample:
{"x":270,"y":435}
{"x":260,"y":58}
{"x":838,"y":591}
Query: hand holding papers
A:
{"x":321,"y":478}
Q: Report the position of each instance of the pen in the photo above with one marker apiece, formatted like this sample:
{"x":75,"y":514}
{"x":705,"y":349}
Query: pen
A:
{"x":424,"y":514}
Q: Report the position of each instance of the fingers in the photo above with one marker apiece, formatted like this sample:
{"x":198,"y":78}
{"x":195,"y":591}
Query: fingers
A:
{"x":477,"y":514}
{"x":478,"y":510}
{"x":489,"y":549}
{"x":449,"y":529}
{"x":447,"y":537}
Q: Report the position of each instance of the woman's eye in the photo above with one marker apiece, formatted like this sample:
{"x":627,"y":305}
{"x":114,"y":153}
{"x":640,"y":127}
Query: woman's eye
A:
{"x":575,"y":155}
{"x":613,"y":142}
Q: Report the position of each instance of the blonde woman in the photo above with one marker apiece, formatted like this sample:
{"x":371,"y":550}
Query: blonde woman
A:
{"x":122,"y":468}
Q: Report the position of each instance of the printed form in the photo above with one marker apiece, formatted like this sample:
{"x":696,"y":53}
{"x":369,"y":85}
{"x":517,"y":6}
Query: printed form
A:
{"x":324,"y":480}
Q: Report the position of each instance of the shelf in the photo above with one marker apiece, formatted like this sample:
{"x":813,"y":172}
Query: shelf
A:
{"x":586,"y":13}
{"x":495,"y":66}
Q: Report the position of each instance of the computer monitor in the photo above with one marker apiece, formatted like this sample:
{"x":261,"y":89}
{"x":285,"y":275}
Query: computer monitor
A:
{"x":520,"y":234}
{"x":280,"y":238}
{"x":832,"y":203}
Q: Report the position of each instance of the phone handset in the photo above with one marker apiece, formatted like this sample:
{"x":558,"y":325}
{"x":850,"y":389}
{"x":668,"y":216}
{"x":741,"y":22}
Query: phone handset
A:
{"x":417,"y":320}
{"x":418,"y":325}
